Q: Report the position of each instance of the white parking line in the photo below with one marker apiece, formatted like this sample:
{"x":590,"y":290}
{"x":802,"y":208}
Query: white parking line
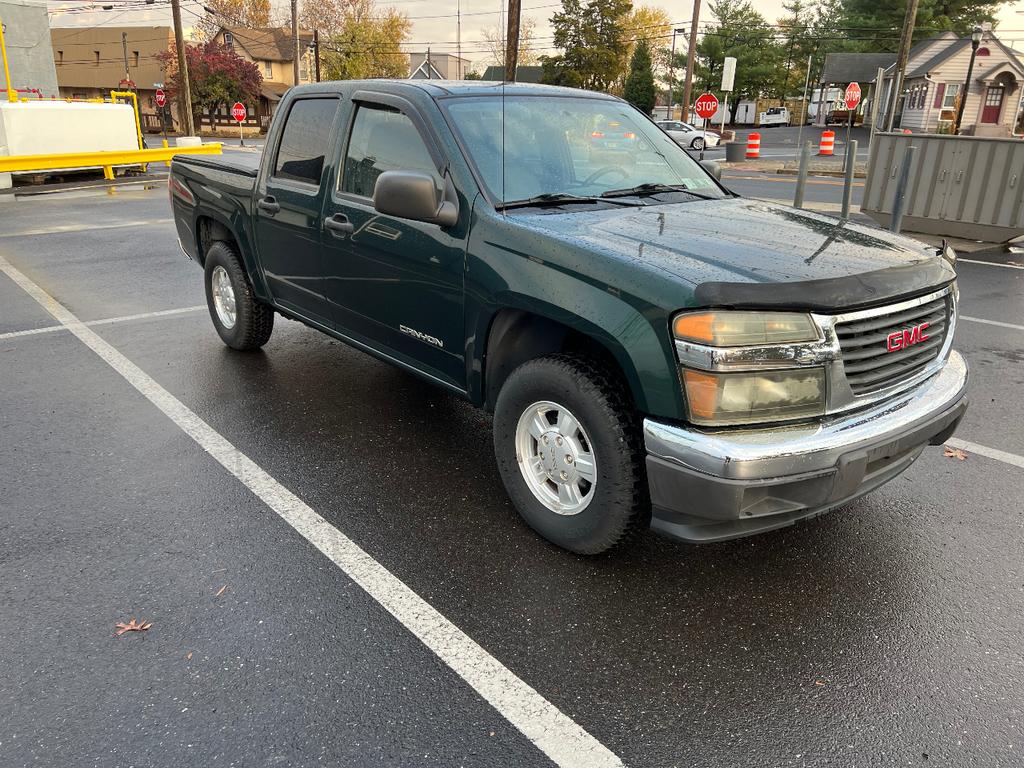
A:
{"x":992,"y":453}
{"x":60,"y":230}
{"x":106,"y":321}
{"x":989,"y":263}
{"x":555,"y":734}
{"x":1000,"y":323}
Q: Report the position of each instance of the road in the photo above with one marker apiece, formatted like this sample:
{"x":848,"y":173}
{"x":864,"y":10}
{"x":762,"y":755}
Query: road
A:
{"x":822,"y":192}
{"x":334,"y":575}
{"x":783,"y":142}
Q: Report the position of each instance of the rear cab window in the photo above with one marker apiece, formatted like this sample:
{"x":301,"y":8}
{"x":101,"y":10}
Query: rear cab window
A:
{"x":305,"y":140}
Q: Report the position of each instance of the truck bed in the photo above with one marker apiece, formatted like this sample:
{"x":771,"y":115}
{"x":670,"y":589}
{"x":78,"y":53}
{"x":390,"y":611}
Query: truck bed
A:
{"x":243,"y":163}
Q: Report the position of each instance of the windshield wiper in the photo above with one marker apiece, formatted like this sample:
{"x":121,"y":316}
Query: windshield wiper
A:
{"x":558,"y":198}
{"x":654,"y":189}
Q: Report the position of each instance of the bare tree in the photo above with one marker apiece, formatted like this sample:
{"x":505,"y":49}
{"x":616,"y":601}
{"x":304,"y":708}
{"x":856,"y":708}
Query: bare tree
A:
{"x":494,"y":43}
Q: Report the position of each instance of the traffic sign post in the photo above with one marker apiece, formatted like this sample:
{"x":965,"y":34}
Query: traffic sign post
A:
{"x":161,"y":102}
{"x":238,"y":112}
{"x":705,"y":107}
{"x":852,"y":99}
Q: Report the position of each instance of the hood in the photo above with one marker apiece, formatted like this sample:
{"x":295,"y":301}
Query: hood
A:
{"x":738,"y":252}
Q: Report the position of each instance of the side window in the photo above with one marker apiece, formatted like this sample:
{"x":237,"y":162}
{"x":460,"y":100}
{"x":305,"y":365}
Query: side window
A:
{"x":305,"y":140}
{"x":383,"y":139}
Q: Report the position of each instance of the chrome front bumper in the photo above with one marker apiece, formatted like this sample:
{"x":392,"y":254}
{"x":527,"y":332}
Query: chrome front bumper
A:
{"x":713,"y":485}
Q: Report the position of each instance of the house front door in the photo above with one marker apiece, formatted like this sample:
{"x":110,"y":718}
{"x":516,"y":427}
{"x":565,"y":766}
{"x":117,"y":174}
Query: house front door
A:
{"x":993,"y":104}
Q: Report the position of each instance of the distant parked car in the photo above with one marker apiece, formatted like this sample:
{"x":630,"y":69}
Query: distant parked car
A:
{"x":688,"y":135}
{"x":612,"y":135}
{"x":774,"y":116}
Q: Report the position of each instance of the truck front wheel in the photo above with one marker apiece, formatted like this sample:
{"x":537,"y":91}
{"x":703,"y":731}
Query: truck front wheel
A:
{"x":570,"y":455}
{"x":243,"y":322}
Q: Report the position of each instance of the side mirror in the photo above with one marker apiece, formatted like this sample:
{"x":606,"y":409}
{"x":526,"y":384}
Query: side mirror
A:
{"x":713,"y":168}
{"x":411,"y":195}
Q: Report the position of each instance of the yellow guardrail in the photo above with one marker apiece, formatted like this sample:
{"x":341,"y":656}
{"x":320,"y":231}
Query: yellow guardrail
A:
{"x":105,"y":160}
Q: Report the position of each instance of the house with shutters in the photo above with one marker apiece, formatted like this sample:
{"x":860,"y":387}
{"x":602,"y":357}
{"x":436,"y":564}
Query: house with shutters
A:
{"x":273,"y":51}
{"x":935,"y":82}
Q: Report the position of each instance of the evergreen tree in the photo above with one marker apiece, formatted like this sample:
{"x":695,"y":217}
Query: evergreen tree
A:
{"x":639,"y":88}
{"x":591,"y":35}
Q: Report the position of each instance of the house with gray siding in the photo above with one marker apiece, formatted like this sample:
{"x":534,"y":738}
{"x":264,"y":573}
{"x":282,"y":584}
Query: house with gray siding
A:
{"x":935,"y":82}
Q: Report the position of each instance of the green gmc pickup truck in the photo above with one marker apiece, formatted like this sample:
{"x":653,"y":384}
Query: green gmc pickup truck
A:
{"x":656,"y":351}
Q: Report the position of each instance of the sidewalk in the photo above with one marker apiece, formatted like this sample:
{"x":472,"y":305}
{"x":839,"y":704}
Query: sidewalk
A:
{"x":819,"y":166}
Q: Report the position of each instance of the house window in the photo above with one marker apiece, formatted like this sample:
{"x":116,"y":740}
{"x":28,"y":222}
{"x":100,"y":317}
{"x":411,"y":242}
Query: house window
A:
{"x":135,"y":56}
{"x":60,"y":58}
{"x":949,"y":99}
{"x":96,"y":63}
{"x":229,"y":40}
{"x":983,"y":52}
{"x":268,"y":69}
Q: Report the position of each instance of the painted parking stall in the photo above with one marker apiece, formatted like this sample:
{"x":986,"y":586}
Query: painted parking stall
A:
{"x":623,"y":647}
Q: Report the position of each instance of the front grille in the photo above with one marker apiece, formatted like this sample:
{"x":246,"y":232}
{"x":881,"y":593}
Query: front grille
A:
{"x":867,"y":361}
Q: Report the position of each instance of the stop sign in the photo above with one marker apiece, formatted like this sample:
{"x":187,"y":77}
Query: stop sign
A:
{"x":161,"y":97}
{"x":238,"y":111}
{"x":852,"y":96}
{"x":706,"y":105}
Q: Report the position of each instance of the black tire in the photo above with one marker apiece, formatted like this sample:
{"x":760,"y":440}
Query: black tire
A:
{"x":254,"y":321}
{"x":697,"y":144}
{"x":619,"y":507}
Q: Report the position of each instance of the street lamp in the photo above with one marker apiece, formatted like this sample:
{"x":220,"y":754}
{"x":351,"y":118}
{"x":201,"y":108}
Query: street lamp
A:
{"x":672,"y":72}
{"x":976,"y":36}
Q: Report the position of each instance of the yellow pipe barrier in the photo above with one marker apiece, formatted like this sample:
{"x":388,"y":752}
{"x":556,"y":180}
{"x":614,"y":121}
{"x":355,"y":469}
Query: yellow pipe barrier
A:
{"x":115,"y":95}
{"x":104,"y":160}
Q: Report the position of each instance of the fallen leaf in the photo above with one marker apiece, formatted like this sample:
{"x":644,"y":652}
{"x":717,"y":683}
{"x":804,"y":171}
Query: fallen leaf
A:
{"x":820,"y":682}
{"x":132,"y":626}
{"x":188,"y":656}
{"x":954,"y":453}
{"x":221,"y":591}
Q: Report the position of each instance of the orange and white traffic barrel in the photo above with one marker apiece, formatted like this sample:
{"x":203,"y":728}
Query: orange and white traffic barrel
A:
{"x":753,"y":146}
{"x":828,"y":143}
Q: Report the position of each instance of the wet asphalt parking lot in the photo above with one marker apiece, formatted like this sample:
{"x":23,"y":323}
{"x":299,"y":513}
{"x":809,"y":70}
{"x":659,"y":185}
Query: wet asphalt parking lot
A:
{"x":416,"y":621}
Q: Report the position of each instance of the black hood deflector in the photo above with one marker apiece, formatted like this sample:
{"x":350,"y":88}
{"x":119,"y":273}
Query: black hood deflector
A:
{"x":884,"y":286}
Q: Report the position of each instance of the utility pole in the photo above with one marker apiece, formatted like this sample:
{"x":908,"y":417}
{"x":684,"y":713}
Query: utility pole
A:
{"x":458,"y":40}
{"x":184,"y":89}
{"x":316,"y":53}
{"x":295,"y":41}
{"x":691,"y":59}
{"x":512,"y":40}
{"x":906,"y":38}
{"x":672,"y":74}
{"x":124,"y":51}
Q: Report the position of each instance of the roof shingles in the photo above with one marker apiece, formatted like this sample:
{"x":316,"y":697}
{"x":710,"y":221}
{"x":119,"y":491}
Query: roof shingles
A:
{"x":268,"y":43}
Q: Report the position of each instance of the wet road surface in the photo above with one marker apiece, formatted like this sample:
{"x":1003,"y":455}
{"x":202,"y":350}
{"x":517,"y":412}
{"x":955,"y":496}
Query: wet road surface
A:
{"x":886,"y":633}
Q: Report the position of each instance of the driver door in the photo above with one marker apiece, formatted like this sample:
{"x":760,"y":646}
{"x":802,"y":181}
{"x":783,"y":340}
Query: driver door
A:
{"x":393,"y":284}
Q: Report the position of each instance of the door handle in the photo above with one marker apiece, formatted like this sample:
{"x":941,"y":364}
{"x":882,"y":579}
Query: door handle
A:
{"x":269,"y":205}
{"x":339,"y":225}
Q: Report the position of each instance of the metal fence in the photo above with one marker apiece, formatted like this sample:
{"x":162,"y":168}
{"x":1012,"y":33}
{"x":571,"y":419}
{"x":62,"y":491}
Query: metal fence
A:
{"x":959,"y":186}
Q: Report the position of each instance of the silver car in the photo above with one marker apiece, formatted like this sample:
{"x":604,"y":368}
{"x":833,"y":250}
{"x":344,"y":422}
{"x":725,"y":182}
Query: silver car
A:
{"x":689,"y":135}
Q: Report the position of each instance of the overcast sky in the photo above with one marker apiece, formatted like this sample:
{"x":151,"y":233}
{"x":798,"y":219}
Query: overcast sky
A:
{"x":434,"y":21}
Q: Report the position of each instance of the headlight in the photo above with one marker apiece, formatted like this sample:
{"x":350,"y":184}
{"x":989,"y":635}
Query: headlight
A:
{"x":744,"y":329}
{"x":747,"y":398}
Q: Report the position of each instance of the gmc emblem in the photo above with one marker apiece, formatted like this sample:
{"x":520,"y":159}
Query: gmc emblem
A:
{"x":898,"y":340}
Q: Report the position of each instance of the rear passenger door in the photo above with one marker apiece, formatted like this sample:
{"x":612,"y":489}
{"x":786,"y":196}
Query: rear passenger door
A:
{"x":289,"y":202}
{"x":393,"y":283}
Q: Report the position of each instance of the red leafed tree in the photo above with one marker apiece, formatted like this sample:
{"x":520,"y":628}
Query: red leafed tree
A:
{"x":218,"y":77}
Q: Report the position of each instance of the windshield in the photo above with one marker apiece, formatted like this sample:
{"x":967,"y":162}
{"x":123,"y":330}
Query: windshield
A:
{"x":561,"y":145}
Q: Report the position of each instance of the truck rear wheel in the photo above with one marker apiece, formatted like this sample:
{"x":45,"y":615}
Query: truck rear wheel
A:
{"x":243,"y":322}
{"x":570,"y":453}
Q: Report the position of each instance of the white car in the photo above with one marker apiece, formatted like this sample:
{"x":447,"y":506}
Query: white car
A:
{"x":689,"y":135}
